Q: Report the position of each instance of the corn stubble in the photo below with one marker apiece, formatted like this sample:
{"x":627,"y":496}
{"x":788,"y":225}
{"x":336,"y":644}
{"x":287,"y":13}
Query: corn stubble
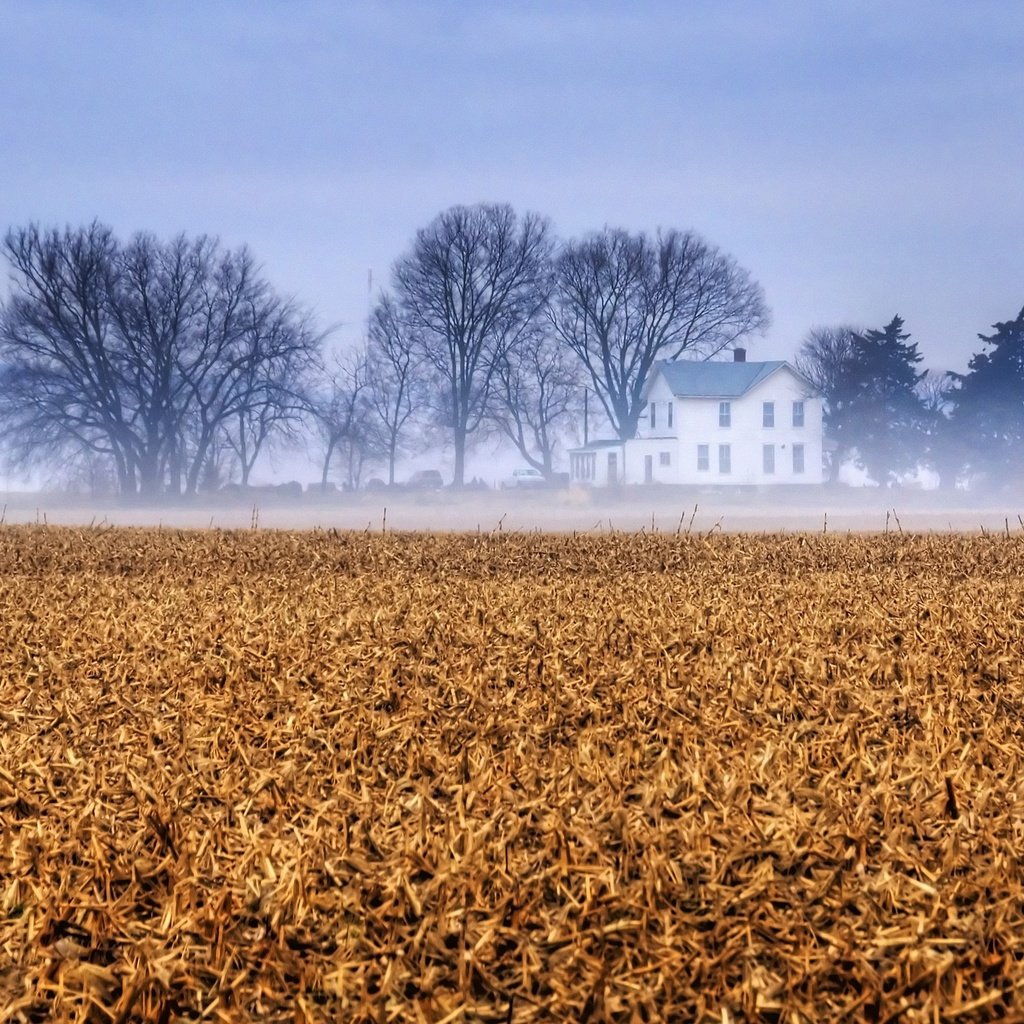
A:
{"x":500,"y":777}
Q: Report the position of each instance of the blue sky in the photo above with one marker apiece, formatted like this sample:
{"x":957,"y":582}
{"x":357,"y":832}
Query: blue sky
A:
{"x":860,"y":158}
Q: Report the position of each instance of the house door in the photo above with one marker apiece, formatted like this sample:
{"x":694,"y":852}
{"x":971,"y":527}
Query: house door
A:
{"x":613,"y":468}
{"x":648,"y":469}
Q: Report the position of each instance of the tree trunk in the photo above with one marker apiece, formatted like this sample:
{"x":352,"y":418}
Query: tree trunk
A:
{"x":460,"y":457}
{"x":196,"y":468}
{"x":125,"y":477}
{"x":149,"y":475}
{"x":174,"y":471}
{"x":327,"y":466}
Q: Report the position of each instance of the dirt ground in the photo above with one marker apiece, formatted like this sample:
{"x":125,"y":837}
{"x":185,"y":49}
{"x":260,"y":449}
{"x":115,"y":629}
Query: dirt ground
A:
{"x":665,"y":509}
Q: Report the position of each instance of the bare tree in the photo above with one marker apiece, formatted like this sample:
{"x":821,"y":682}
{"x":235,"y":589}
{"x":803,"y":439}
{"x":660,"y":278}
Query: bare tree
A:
{"x":243,"y":360}
{"x":394,"y":391}
{"x":823,"y":357}
{"x":947,"y":447}
{"x":625,"y":301}
{"x":145,"y":354}
{"x":274,"y":385}
{"x":341,"y":410}
{"x":475,"y":278}
{"x":935,"y":391}
{"x":539,"y":389}
{"x":154,"y":303}
{"x":823,"y":360}
{"x":63,"y":376}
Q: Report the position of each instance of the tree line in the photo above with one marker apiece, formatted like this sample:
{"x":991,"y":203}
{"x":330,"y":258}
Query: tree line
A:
{"x":162,"y":361}
{"x":890,"y":418}
{"x":167,"y":365}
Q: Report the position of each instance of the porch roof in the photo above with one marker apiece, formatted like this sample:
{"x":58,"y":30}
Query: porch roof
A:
{"x":597,"y":446}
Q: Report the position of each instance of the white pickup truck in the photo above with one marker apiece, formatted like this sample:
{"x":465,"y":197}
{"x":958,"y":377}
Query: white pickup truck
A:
{"x":522,"y":478}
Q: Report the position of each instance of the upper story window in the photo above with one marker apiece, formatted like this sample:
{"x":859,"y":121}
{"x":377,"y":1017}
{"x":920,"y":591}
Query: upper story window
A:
{"x":654,"y":415}
{"x":670,"y":415}
{"x":725,"y":414}
{"x":768,"y":414}
{"x":798,"y":414}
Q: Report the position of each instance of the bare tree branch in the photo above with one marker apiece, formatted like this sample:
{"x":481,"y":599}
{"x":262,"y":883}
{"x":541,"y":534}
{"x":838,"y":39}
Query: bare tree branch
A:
{"x":538,"y":392}
{"x":625,"y":301}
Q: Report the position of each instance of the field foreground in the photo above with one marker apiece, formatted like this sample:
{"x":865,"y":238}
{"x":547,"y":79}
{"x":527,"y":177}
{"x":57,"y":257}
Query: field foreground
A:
{"x":493,"y":777}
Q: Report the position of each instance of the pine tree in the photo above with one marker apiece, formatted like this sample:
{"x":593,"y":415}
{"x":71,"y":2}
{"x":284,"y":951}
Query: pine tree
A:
{"x":877,"y":410}
{"x":988,"y":404}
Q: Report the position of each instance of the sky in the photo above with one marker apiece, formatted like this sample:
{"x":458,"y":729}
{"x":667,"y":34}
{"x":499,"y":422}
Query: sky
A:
{"x":861,"y":159}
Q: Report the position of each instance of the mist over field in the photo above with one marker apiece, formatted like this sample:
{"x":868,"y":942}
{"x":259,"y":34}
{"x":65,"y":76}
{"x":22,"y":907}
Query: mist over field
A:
{"x":664,"y":510}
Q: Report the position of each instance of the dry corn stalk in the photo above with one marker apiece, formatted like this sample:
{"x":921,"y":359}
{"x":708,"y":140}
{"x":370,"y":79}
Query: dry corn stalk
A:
{"x":328,"y":776}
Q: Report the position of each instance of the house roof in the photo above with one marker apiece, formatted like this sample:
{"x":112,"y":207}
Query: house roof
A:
{"x":692,"y":379}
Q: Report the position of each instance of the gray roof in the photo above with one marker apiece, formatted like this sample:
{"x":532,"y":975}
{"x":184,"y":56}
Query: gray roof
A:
{"x":691,"y":379}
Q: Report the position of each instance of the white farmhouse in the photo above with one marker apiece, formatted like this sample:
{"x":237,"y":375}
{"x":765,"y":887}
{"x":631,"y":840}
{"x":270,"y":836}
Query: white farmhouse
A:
{"x":716,"y":423}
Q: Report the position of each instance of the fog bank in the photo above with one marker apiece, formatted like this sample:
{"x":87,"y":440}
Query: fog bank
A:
{"x":666,"y":510}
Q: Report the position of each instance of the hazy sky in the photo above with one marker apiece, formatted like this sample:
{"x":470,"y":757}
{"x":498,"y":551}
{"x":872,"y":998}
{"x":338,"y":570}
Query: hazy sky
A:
{"x":860,"y":158}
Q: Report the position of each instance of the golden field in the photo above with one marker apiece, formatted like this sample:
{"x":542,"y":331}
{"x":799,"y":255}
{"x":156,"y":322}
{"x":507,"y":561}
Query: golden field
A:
{"x":254,"y":775}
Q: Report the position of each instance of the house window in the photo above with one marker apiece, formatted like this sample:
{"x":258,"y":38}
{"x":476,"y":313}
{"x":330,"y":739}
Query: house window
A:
{"x":670,"y":415}
{"x":664,"y":458}
{"x":798,"y":458}
{"x":767,"y":414}
{"x":654,"y":415}
{"x":724,"y":459}
{"x":798,"y":414}
{"x":768,"y":458}
{"x":703,"y":458}
{"x":724,"y":414}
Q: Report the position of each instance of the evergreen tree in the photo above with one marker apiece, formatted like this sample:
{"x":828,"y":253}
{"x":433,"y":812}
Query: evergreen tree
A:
{"x":988,"y":404}
{"x":877,"y":410}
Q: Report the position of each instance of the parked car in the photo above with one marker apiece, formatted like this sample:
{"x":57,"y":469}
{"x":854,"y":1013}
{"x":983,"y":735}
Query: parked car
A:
{"x":425,"y":480}
{"x":524,"y":478}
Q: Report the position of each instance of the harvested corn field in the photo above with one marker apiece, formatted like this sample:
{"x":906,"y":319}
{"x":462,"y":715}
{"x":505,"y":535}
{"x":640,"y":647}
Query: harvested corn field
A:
{"x":496,"y":777}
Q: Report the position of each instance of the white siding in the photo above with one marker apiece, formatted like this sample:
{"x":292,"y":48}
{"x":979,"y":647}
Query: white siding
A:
{"x":747,"y":435}
{"x":653,"y":448}
{"x":695,"y":422}
{"x":661,"y":396}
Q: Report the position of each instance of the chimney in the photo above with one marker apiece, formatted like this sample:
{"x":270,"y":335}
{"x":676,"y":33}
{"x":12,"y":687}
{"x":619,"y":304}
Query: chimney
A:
{"x":739,"y":355}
